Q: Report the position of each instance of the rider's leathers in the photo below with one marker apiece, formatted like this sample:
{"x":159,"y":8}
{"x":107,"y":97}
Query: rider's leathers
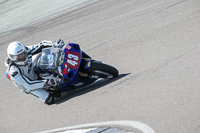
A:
{"x":24,"y":76}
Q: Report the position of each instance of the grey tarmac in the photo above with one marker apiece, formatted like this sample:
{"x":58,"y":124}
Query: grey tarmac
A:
{"x":155,"y":45}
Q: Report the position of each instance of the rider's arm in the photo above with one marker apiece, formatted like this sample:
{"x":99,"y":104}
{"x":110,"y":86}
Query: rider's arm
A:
{"x":23,"y":82}
{"x":35,"y":49}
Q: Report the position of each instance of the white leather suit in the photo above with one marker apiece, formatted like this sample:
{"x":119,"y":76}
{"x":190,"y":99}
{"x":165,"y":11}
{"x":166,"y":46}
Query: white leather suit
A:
{"x":24,"y":76}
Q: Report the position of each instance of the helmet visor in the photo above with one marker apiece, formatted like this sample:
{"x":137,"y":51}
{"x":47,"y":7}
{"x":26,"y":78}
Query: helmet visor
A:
{"x":19,"y":57}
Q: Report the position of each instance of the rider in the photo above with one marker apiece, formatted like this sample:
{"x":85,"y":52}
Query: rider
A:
{"x":21,"y":69}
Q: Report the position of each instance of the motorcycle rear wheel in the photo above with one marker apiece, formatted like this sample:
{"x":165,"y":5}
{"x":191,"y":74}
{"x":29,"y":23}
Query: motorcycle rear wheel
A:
{"x":103,"y":70}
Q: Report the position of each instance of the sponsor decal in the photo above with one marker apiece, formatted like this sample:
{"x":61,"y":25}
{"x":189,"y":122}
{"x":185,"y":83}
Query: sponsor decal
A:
{"x":64,"y":72}
{"x":89,"y":63}
{"x":8,"y":76}
{"x":83,"y":74}
{"x":69,"y":47}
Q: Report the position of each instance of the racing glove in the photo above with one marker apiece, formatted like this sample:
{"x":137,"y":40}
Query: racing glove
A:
{"x":59,"y":43}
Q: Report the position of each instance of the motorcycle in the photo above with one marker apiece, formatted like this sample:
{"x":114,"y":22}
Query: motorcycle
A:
{"x":71,"y":67}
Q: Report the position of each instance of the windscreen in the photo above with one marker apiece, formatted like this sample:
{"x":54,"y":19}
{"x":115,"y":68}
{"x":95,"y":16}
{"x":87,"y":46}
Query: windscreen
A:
{"x":50,"y":58}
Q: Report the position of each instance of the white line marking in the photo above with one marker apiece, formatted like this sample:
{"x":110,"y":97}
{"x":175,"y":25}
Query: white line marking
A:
{"x":134,"y":124}
{"x":79,"y":131}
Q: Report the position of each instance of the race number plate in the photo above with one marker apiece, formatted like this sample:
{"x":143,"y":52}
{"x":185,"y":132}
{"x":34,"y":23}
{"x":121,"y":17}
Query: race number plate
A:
{"x":72,"y":60}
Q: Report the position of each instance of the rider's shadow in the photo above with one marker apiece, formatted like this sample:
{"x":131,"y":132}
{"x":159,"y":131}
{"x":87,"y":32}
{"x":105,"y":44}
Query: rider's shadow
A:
{"x":81,"y":91}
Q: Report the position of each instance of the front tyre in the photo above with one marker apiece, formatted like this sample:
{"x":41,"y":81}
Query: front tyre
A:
{"x":103,"y":70}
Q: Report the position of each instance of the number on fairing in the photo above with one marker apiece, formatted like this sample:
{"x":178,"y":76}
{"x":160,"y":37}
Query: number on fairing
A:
{"x":73,"y":63}
{"x":71,"y":56}
{"x":74,"y":60}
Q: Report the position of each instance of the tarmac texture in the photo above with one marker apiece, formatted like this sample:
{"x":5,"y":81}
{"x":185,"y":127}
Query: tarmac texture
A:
{"x":155,"y":45}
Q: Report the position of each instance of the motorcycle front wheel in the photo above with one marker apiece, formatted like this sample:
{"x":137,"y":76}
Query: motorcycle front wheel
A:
{"x":103,"y":70}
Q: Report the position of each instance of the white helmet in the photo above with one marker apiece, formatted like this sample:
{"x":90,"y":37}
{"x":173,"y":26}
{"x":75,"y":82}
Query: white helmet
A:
{"x":17,"y":52}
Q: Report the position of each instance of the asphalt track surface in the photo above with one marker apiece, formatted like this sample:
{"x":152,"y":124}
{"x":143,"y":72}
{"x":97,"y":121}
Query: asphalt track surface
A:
{"x":155,"y":44}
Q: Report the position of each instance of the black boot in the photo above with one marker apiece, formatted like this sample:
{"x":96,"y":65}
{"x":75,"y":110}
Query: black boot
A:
{"x":50,"y":99}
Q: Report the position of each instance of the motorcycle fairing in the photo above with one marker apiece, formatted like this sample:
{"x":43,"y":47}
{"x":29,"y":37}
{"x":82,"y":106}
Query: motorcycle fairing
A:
{"x":75,"y":68}
{"x":72,"y":61}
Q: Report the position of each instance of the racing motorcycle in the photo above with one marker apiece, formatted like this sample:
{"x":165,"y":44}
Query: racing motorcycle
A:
{"x":71,"y":67}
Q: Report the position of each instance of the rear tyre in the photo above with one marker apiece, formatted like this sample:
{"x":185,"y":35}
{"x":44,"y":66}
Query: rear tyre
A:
{"x":103,"y":70}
